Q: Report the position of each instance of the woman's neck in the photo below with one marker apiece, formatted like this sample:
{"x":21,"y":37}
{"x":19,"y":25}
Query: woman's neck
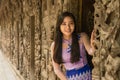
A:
{"x":67,"y":37}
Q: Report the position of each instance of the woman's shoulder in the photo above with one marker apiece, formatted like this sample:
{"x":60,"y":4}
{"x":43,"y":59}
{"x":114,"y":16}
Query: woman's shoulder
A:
{"x":52,"y":45}
{"x":81,"y":36}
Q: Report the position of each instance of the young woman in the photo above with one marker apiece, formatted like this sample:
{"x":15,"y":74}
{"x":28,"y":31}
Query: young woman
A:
{"x":69,"y":48}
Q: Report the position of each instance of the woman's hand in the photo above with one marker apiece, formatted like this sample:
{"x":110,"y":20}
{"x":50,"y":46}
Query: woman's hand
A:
{"x":92,"y":40}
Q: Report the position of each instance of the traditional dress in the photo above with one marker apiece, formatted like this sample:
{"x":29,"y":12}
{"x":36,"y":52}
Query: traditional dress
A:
{"x":79,"y":70}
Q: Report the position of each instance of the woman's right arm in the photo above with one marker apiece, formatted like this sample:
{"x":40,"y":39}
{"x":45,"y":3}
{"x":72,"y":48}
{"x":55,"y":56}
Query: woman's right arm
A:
{"x":56,"y":66}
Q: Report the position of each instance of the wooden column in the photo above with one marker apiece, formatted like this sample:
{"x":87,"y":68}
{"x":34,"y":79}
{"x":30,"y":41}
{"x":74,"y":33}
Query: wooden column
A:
{"x":32,"y":58}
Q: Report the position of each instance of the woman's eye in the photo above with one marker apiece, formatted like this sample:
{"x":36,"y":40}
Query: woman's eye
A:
{"x":68,"y":23}
{"x":63,"y":24}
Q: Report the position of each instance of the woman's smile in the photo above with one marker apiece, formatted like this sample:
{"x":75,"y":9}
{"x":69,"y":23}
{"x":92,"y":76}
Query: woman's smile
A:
{"x":67,"y":26}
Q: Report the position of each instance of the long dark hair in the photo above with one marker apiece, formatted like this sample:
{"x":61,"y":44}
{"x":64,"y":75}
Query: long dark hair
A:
{"x":75,"y":50}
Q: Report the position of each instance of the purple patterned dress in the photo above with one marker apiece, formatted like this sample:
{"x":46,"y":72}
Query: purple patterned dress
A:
{"x":79,"y":70}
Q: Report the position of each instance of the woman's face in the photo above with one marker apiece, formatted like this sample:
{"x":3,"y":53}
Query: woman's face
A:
{"x":67,"y":26}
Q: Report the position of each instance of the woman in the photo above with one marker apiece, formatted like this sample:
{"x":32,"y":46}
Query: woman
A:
{"x":69,"y":48}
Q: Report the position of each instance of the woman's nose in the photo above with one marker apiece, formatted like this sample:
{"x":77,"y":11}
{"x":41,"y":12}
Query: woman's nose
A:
{"x":68,"y":25}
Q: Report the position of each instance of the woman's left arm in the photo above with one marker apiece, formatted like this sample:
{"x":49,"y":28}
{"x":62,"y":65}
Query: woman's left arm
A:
{"x":88,"y":43}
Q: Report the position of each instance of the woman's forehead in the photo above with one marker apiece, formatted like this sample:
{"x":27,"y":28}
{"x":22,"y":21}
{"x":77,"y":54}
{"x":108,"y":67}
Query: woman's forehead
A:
{"x":68,"y":19}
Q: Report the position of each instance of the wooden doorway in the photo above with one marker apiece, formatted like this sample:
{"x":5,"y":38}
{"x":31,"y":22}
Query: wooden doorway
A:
{"x":88,"y":21}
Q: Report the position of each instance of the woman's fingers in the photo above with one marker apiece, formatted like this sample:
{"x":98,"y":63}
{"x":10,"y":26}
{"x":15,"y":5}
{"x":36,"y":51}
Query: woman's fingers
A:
{"x":92,"y":39}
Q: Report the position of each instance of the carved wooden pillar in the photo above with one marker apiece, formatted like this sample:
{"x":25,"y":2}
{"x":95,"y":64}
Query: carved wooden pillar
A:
{"x":106,"y":59}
